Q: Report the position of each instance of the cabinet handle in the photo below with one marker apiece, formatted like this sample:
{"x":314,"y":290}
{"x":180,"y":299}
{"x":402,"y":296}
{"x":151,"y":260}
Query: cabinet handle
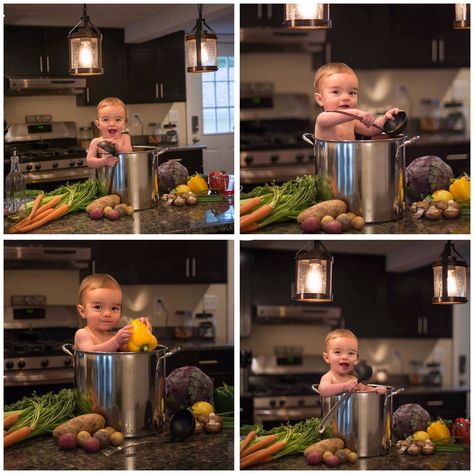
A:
{"x":441,"y":50}
{"x":259,"y":11}
{"x":161,"y":91}
{"x":47,"y":63}
{"x":41,"y":63}
{"x":420,"y":326}
{"x":434,"y":55}
{"x":435,"y":403}
{"x":87,"y":95}
{"x":187,"y":267}
{"x":156,"y":91}
{"x":208,"y":362}
{"x":425,"y":326}
{"x":194,"y":267}
{"x":269,"y":11}
{"x":327,"y":52}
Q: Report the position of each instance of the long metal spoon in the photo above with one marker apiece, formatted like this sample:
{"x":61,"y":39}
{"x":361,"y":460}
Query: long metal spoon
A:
{"x":111,"y":150}
{"x":390,"y":127}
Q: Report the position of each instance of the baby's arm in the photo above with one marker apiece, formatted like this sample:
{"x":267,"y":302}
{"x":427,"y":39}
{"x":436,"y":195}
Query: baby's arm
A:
{"x":125,"y":145}
{"x":380,"y":121}
{"x":93,"y":161}
{"x":367,"y":388}
{"x":84,"y":342}
{"x":327,"y":388}
{"x":331,"y":119}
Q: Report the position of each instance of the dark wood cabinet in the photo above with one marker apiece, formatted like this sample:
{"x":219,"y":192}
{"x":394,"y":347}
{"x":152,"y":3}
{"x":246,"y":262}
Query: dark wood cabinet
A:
{"x":156,"y":70}
{"x":262,"y":15}
{"x":35,"y":51}
{"x":192,"y":159}
{"x":113,"y":83}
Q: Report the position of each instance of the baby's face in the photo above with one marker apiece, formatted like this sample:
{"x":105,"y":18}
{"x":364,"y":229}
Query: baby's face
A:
{"x":341,"y":354}
{"x":338,"y":91}
{"x":111,"y":121}
{"x":101,"y":308}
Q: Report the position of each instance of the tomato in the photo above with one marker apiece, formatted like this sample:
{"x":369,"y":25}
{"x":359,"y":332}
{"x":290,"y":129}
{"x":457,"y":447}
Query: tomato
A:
{"x":218,"y":181}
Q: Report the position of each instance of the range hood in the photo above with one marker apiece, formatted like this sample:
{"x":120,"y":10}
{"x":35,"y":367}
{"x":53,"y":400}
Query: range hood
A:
{"x":322,"y":315}
{"x":45,"y":86}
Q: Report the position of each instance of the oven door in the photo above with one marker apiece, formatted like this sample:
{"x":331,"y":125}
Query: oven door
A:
{"x":279,"y":174}
{"x":272,"y":417}
{"x":61,"y":175}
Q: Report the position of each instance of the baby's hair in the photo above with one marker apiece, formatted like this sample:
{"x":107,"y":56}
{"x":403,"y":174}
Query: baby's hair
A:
{"x":114,"y":101}
{"x":328,"y":70}
{"x":338,"y":333}
{"x":96,"y":281}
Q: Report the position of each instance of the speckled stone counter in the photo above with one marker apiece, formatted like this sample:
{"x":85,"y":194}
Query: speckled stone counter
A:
{"x":407,"y":225}
{"x":393,"y":461}
{"x":204,"y":452}
{"x":203,"y":218}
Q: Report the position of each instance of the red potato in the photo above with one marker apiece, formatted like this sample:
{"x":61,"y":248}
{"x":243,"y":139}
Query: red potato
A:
{"x":67,"y":441}
{"x":314,"y":458}
{"x":311,"y":225}
{"x":332,"y":227}
{"x":91,"y":445}
{"x":96,"y":213}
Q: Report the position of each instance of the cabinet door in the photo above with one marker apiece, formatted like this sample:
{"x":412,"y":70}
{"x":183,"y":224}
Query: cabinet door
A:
{"x":208,"y":261}
{"x":141,"y":74}
{"x":190,"y":159}
{"x":171,"y":67}
{"x":56,"y":51}
{"x":113,"y":82}
{"x":23,"y":50}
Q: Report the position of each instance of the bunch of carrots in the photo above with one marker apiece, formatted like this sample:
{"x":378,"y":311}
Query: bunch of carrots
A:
{"x":62,"y":201}
{"x":261,"y":450}
{"x":271,"y":203}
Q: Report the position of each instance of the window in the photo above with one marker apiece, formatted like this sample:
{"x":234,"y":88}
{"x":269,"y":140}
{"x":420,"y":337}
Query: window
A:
{"x":218,"y":98}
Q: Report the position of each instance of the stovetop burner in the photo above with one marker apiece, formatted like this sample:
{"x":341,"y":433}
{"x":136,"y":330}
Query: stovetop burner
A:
{"x":17,"y":349}
{"x":51,"y":153}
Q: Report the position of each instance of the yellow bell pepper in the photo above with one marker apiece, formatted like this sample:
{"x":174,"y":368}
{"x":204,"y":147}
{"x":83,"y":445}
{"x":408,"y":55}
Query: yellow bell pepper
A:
{"x":438,"y":431}
{"x":198,"y":185}
{"x":142,"y":339}
{"x":461,"y":189}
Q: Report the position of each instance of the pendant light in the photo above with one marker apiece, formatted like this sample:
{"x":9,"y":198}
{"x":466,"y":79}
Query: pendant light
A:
{"x":462,"y":20}
{"x":201,"y":47}
{"x":307,"y":15}
{"x":314,"y":274}
{"x":449,"y":277}
{"x":85,"y":48}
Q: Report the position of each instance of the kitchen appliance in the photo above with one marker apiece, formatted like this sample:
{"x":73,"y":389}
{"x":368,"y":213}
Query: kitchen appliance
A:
{"x":281,"y":385}
{"x":455,"y":119}
{"x":128,"y":388}
{"x":434,"y":374}
{"x":323,"y":315}
{"x":271,"y":126}
{"x":48,"y":152}
{"x":44,"y":85}
{"x":85,"y":136}
{"x":368,"y":174}
{"x":206,"y":328}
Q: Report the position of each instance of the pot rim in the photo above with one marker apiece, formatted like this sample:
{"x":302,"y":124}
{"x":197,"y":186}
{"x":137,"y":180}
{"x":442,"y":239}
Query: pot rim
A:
{"x":159,"y":348}
{"x":392,"y":139}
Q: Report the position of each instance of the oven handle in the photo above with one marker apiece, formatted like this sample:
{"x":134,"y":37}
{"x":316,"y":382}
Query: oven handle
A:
{"x":68,"y":349}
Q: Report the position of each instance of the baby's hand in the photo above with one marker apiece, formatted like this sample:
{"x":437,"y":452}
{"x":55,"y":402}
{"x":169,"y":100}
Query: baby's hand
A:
{"x":366,"y":118}
{"x":146,"y":321}
{"x":390,"y":114}
{"x":351,"y":385}
{"x":110,"y":160}
{"x":123,"y":335}
{"x":381,"y":389}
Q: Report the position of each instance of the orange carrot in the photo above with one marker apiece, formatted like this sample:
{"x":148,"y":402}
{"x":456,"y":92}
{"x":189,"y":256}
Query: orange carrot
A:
{"x":255,"y":216}
{"x":38,"y":199}
{"x":260,"y":460}
{"x":262,"y":454}
{"x":10,"y":420}
{"x":16,"y":436}
{"x":258,"y":445}
{"x":58,"y":212}
{"x":248,"y":439}
{"x":49,"y":204}
{"x":250,"y":204}
{"x":17,"y":227}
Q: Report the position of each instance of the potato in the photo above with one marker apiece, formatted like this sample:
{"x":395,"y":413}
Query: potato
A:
{"x":91,"y":422}
{"x":103,"y":438}
{"x":111,"y":200}
{"x":332,"y":207}
{"x":332,"y":227}
{"x":345,"y":220}
{"x":329,"y":444}
{"x":352,"y":457}
{"x":82,"y":436}
{"x":358,"y":223}
{"x":67,"y":441}
{"x":311,"y":225}
{"x":342,"y":456}
{"x":331,"y":461}
{"x":96,"y":213}
{"x":110,"y":429}
{"x":314,"y":458}
{"x":117,"y":438}
{"x":326,"y":455}
{"x":91,"y":445}
{"x":112,"y":215}
{"x":326,"y":220}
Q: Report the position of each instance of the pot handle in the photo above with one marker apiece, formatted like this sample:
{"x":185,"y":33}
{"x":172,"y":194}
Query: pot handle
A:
{"x":309,"y":138}
{"x":395,"y":392}
{"x":68,"y":349}
{"x":170,"y":352}
{"x":314,"y":388}
{"x":409,"y":141}
{"x":325,"y":421}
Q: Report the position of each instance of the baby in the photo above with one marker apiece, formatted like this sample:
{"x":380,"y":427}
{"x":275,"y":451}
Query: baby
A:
{"x":111,"y":121}
{"x":100,"y":304}
{"x":341,"y":354}
{"x":336,"y":88}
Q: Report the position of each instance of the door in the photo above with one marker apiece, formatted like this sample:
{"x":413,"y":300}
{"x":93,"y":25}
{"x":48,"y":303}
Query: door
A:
{"x":219,"y":152}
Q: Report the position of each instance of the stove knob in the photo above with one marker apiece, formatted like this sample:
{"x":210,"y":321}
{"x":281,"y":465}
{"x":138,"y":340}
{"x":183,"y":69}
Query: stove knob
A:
{"x":21,"y":364}
{"x":55,"y":164}
{"x":248,"y":159}
{"x":274,"y":158}
{"x":37,"y":166}
{"x":80,"y":162}
{"x":9,"y":365}
{"x":273,"y":403}
{"x":44,"y":363}
{"x":72,"y":163}
{"x":282,"y":403}
{"x":68,"y":362}
{"x":301,"y":403}
{"x":299,"y":158}
{"x":29,"y":167}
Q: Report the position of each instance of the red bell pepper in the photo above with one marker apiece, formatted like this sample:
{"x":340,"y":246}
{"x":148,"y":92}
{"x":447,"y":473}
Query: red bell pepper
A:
{"x":461,"y":430}
{"x":218,"y":181}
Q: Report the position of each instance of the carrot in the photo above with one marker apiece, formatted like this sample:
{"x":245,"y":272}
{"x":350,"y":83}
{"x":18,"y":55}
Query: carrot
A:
{"x":262,"y":454}
{"x":248,"y":439}
{"x":250,"y":204}
{"x":37,"y":202}
{"x":58,"y":212}
{"x":258,"y":461}
{"x":17,"y":227}
{"x":49,"y":204}
{"x":255,"y":216}
{"x":10,"y":420}
{"x":16,"y":436}
{"x":250,"y":228}
{"x":258,"y":445}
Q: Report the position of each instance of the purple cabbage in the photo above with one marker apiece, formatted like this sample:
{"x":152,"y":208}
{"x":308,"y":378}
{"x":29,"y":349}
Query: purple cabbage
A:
{"x":171,"y":173}
{"x":410,"y":418}
{"x":425,"y":175}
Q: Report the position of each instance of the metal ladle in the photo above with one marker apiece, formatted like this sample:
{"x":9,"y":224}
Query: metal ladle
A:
{"x":111,"y":150}
{"x":363,"y":372}
{"x":390,"y":127}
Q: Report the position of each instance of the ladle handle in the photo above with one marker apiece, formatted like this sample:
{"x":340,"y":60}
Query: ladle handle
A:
{"x":68,"y":349}
{"x":354,"y":116}
{"x":395,"y":392}
{"x":330,"y":413}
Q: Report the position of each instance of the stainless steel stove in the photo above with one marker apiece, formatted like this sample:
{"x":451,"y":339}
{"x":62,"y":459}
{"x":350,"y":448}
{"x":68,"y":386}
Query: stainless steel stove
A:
{"x":48,"y":152}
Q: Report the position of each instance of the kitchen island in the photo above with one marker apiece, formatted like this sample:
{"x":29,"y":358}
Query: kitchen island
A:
{"x":202,"y":218}
{"x":406,"y":225}
{"x":391,"y":462}
{"x":203,"y":452}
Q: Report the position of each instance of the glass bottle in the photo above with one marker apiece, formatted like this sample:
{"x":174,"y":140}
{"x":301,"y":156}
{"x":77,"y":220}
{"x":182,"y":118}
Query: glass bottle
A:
{"x":15,"y":186}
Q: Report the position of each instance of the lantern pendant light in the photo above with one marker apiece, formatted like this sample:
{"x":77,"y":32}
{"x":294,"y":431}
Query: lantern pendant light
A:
{"x":462,"y":19}
{"x":307,"y":15}
{"x":449,"y":277}
{"x":314,"y":275}
{"x":85,"y":48}
{"x":201,"y":46}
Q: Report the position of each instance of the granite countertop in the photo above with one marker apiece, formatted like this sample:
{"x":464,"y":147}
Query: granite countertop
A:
{"x":406,"y":225}
{"x":393,"y":461}
{"x":203,"y":218}
{"x":197,"y":344}
{"x":204,"y":452}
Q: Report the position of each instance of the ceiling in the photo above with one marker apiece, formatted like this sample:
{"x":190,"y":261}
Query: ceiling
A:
{"x":138,"y":20}
{"x":401,"y":255}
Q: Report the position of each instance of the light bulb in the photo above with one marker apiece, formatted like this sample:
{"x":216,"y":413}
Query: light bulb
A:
{"x":452,"y":287}
{"x":309,"y":10}
{"x":314,"y":281}
{"x":85,"y":55}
